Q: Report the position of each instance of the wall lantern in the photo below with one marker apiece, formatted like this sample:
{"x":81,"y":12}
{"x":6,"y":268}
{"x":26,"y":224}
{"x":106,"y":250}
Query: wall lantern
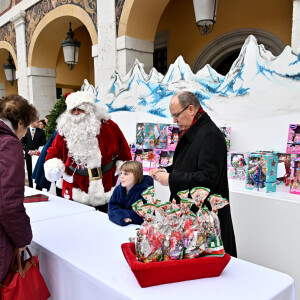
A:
{"x":205,"y":12}
{"x":71,"y":49}
{"x":10,"y":70}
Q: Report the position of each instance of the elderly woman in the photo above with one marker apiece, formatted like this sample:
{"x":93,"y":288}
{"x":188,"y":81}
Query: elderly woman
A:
{"x":15,"y":232}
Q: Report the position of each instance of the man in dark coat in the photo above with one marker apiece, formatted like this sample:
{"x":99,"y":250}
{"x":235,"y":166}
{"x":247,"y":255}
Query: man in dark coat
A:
{"x":200,"y":159}
{"x":33,"y":139}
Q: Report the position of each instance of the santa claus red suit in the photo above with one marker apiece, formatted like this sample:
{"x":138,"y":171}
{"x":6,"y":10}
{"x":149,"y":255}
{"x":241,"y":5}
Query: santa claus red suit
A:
{"x":87,"y":151}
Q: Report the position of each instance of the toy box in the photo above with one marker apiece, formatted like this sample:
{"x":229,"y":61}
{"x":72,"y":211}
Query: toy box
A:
{"x":261,"y":171}
{"x":145,"y":136}
{"x":284,"y":168}
{"x":156,"y":136}
{"x":227,"y":132}
{"x":160,"y":136}
{"x":236,"y":165}
{"x":173,"y":134}
{"x":166,"y":158}
{"x":295,"y":176}
{"x":150,"y":160}
{"x":293,"y":142}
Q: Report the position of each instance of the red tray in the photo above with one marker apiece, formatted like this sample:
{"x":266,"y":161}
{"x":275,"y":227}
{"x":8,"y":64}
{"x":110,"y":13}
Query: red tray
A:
{"x":161,"y":272}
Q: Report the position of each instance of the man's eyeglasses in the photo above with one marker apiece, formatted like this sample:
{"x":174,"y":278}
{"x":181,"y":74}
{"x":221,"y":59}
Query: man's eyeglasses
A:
{"x":176,"y":116}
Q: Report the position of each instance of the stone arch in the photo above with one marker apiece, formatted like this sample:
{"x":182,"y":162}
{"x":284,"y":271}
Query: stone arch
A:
{"x":57,"y":18}
{"x":10,"y":49}
{"x":140,"y":18}
{"x":229,"y":43}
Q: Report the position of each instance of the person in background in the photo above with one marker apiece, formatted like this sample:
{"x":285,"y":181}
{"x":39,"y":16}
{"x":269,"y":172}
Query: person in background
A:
{"x":200,"y":159}
{"x":38,"y":173}
{"x":87,"y":151}
{"x":42,"y":124}
{"x":15,"y":232}
{"x":33,"y":139}
{"x":47,"y":119}
{"x":133,"y":183}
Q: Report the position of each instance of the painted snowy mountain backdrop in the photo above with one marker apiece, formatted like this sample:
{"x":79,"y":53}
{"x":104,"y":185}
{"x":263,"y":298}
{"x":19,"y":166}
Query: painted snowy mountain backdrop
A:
{"x":258,"y":84}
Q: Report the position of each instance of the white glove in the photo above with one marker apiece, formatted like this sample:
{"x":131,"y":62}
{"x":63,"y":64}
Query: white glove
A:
{"x":54,"y":174}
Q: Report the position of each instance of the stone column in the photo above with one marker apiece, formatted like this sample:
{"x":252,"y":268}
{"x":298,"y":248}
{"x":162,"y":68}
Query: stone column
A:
{"x":131,"y":48}
{"x":2,"y":90}
{"x":296,"y":27}
{"x":105,"y":61}
{"x":21,"y":74}
{"x":42,"y":89}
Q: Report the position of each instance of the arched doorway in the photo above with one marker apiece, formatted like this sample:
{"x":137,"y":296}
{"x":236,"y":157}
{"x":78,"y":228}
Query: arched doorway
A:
{"x":5,"y":87}
{"x":47,"y":69}
{"x":222,"y":51}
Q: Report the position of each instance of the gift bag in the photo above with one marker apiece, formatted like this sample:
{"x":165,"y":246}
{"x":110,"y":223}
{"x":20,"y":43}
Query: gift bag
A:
{"x":24,"y":280}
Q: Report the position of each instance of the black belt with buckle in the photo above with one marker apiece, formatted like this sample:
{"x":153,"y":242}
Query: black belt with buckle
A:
{"x":93,"y":174}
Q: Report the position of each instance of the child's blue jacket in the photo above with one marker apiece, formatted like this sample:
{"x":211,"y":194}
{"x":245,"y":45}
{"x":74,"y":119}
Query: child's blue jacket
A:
{"x":119,"y":206}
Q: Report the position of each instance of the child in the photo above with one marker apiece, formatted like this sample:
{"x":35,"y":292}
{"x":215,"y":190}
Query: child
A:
{"x":133,"y":183}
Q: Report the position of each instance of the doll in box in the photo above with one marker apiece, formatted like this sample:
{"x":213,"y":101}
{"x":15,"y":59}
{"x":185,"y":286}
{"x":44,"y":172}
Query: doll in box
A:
{"x":294,"y":139}
{"x":295,"y":179}
{"x":163,"y":138}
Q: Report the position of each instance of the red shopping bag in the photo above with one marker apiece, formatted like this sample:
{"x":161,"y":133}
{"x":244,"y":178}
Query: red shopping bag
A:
{"x":24,"y":280}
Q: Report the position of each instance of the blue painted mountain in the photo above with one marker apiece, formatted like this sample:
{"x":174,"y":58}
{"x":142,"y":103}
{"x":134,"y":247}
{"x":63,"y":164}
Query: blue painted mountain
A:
{"x":257,"y":80}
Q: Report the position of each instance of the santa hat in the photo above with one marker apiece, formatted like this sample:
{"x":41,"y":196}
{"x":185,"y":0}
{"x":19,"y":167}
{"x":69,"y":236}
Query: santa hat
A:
{"x":76,"y":99}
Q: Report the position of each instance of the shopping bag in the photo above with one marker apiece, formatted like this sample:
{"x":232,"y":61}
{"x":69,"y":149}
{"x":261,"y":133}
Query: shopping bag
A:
{"x":24,"y":280}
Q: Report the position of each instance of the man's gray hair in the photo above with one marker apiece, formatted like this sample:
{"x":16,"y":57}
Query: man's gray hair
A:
{"x":188,"y":98}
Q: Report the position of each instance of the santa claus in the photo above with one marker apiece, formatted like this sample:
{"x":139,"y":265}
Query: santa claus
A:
{"x":87,"y":151}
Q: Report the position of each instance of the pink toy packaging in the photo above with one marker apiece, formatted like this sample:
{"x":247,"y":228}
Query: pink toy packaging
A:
{"x":293,"y":142}
{"x":173,"y":135}
{"x":295,"y":177}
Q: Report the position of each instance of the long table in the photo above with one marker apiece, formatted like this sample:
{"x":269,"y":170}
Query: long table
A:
{"x":81,"y":258}
{"x":55,"y":207}
{"x":266,"y":226}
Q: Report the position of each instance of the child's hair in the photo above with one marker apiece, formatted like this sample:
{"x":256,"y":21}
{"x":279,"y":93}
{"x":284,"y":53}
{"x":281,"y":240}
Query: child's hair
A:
{"x":134,"y":167}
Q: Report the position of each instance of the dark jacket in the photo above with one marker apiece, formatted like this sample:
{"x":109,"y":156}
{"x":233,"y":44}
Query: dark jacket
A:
{"x":38,"y":140}
{"x":119,"y":205}
{"x":39,"y":172}
{"x":15,"y":230}
{"x":200,"y":160}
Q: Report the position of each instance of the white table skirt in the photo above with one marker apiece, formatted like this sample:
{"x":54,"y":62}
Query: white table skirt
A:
{"x":81,"y":258}
{"x":55,"y":207}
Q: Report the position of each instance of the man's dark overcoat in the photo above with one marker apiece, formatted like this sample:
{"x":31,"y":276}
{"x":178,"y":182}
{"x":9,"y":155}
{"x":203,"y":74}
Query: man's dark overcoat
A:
{"x":200,"y":160}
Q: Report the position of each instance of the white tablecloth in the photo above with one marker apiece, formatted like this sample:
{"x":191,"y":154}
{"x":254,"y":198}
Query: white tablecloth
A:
{"x":266,"y":227}
{"x":55,"y":207}
{"x":81,"y":258}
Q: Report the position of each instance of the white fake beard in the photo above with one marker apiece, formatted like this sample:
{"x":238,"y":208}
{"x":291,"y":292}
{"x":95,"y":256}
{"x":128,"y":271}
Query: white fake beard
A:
{"x":80,"y":132}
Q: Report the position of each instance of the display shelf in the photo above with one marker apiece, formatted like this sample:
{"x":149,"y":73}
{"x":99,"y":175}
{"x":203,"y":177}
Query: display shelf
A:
{"x":282,"y":191}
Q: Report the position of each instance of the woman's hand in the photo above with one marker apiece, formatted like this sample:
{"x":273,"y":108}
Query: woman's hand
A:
{"x":22,"y":249}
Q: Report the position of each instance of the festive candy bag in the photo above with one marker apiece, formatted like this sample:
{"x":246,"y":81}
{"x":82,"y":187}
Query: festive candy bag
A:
{"x":172,"y":231}
{"x":183,"y":194}
{"x":193,"y":240}
{"x":210,"y":225}
{"x":217,"y":202}
{"x":199,"y":194}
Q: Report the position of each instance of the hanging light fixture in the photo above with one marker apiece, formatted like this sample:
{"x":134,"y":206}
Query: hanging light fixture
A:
{"x":205,"y":12}
{"x":71,"y":49}
{"x":10,"y":70}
